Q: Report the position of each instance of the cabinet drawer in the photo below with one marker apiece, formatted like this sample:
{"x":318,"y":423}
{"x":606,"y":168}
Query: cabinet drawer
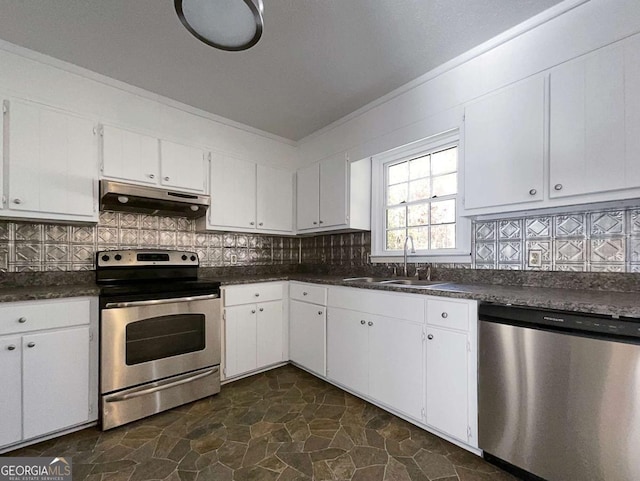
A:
{"x":398,"y":306}
{"x":454,"y":315}
{"x":251,"y":293}
{"x":308,"y":293}
{"x":37,"y":315}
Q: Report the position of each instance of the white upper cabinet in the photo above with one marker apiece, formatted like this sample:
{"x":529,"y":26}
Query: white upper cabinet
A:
{"x":274,"y":199}
{"x":144,"y":159}
{"x":182,"y":167}
{"x":504,"y":146}
{"x":587,"y":125}
{"x":334,"y":194}
{"x":250,"y":198}
{"x":632,"y":112}
{"x":51,"y":163}
{"x":129,"y":156}
{"x":308,"y":197}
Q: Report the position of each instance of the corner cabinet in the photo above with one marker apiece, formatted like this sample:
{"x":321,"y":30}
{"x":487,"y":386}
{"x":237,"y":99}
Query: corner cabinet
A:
{"x":143,"y":159}
{"x":51,"y":165}
{"x":48,"y":353}
{"x":255,"y":327}
{"x":334,"y":194}
{"x":246,"y":197}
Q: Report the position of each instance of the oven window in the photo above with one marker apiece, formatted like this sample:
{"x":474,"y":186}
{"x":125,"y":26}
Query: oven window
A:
{"x":164,"y":336}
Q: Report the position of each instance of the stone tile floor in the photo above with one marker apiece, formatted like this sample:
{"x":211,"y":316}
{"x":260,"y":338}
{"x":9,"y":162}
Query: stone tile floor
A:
{"x":280,"y":425}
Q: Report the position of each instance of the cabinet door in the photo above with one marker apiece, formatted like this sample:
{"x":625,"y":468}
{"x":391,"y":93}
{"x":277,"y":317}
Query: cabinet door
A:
{"x":241,"y":340}
{"x":348,"y":349}
{"x":396,"y":373}
{"x":308,"y":197}
{"x":52,"y":161}
{"x":11,"y":392}
{"x":587,"y":150}
{"x":55,"y":380}
{"x":447,"y":382}
{"x":233,"y":193}
{"x":130,"y":156}
{"x":504,"y":147}
{"x":275,"y":199}
{"x":333,"y":192}
{"x":270,"y":333}
{"x":307,"y":336}
{"x":182,"y":167}
{"x":632,"y":110}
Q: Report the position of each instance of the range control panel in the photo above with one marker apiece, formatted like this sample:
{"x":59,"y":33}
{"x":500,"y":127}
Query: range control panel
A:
{"x":144,"y":257}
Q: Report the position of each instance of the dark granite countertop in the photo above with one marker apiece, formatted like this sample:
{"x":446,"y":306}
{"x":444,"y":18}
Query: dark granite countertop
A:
{"x":33,"y":293}
{"x":608,"y":303}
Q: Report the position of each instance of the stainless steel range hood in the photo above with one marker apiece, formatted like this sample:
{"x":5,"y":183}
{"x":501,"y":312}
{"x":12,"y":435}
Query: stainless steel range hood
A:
{"x":123,"y":197}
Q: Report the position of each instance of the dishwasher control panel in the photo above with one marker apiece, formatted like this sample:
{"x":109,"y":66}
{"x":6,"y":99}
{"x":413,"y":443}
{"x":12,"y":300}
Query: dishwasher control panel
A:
{"x":561,"y":320}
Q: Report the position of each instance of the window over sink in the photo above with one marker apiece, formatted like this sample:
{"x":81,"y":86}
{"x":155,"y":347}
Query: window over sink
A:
{"x":416,"y":195}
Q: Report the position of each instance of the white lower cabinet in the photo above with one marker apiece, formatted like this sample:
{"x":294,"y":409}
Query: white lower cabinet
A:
{"x":447,"y":382}
{"x":48,"y":369}
{"x":255,"y":332}
{"x":307,"y":335}
{"x":377,"y":356}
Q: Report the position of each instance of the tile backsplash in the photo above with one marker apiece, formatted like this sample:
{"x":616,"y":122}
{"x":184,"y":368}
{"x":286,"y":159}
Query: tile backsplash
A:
{"x":28,"y":246}
{"x":594,"y":241}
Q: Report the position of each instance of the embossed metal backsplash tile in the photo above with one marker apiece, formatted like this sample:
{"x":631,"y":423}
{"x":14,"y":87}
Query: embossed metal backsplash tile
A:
{"x":28,"y":246}
{"x":599,"y":241}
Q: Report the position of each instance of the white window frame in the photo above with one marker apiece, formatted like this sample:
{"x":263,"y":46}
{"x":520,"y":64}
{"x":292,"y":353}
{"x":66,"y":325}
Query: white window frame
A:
{"x":462,"y":252}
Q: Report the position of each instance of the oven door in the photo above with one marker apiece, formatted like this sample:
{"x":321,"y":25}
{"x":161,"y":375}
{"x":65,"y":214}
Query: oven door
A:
{"x":145,"y":341}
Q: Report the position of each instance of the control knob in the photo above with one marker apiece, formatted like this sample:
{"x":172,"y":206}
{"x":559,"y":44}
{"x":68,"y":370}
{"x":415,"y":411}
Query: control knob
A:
{"x":193,"y":258}
{"x":118,"y":257}
{"x":184,"y":257}
{"x":105,"y":258}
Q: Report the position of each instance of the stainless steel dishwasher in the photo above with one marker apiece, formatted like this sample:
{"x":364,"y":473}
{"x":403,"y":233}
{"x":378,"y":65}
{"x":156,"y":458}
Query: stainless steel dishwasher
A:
{"x":559,"y":394}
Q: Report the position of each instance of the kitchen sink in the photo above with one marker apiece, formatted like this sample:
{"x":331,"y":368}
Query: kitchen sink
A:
{"x":414,"y":283}
{"x":365,"y":279}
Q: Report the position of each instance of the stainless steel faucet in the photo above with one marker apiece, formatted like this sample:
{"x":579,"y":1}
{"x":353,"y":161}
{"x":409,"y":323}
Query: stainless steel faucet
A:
{"x":413,"y":251}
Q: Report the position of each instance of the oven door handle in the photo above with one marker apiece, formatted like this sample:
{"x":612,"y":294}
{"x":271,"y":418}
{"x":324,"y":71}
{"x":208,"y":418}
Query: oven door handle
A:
{"x":159,"y":386}
{"x":156,"y":302}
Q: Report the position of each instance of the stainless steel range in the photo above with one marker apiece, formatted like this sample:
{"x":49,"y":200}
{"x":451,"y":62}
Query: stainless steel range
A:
{"x":159,"y":333}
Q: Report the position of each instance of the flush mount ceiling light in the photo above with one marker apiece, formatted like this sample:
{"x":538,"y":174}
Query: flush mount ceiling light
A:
{"x":225,"y":24}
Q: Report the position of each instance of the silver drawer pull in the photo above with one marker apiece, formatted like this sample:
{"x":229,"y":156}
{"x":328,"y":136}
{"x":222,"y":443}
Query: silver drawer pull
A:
{"x":160,"y":301}
{"x":22,"y":320}
{"x":533,"y":192}
{"x":305,"y":293}
{"x":167,"y":178}
{"x":31,"y":344}
{"x":261,"y":309}
{"x":430,"y":336}
{"x":370,"y":323}
{"x":253,"y":311}
{"x":558,"y":186}
{"x":11,"y":348}
{"x":363,"y":322}
{"x":257,"y":294}
{"x":445,"y":315}
{"x":319,"y":313}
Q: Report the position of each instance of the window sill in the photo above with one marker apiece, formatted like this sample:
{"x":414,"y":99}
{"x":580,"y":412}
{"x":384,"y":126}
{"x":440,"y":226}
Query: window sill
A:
{"x":457,"y":257}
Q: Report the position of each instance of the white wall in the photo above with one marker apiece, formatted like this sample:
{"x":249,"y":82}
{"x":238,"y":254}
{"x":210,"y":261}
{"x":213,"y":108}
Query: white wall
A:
{"x":436,"y":104}
{"x":36,"y":77}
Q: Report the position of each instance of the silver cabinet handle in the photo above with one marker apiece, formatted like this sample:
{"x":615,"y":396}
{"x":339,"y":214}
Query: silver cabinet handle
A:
{"x":430,"y":336}
{"x":533,"y":192}
{"x":167,"y":178}
{"x":31,"y":344}
{"x":151,"y":176}
{"x":17,"y":201}
{"x":11,"y":348}
{"x":261,"y":223}
{"x":22,"y":320}
{"x":319,"y":313}
{"x":305,"y":293}
{"x":363,"y":322}
{"x":370,"y":323}
{"x":322,"y":222}
{"x":558,"y":186}
{"x":445,"y":315}
{"x":252,"y":223}
{"x":253,"y":311}
{"x":315,"y":223}
{"x":261,"y":309}
{"x":257,"y":294}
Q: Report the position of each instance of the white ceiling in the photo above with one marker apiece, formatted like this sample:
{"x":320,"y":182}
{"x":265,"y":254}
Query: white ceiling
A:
{"x":317,"y":61}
